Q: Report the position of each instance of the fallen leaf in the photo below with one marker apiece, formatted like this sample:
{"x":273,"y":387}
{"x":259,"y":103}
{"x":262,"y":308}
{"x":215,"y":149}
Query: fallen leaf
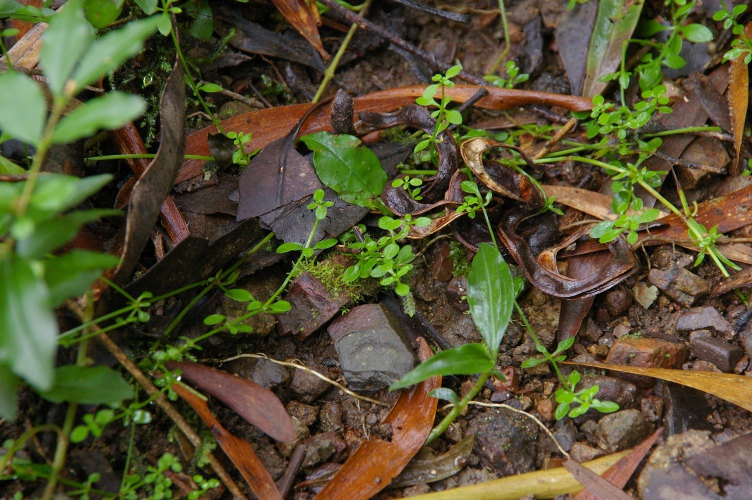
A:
{"x":573,"y":32}
{"x":734,"y":388}
{"x":298,"y":14}
{"x":590,"y":202}
{"x":738,"y":101}
{"x":619,"y":473}
{"x":268,"y":125}
{"x":426,"y":467}
{"x":154,"y":185}
{"x":376,"y":462}
{"x":595,"y":484}
{"x":729,"y":462}
{"x":256,"y":404}
{"x":710,"y":99}
{"x":239,"y":451}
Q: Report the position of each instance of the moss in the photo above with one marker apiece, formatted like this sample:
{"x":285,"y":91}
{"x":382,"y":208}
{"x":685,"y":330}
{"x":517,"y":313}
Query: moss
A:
{"x":329,"y":272}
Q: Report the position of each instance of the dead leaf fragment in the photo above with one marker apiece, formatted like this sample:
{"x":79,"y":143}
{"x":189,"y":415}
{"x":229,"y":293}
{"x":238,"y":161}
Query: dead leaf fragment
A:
{"x":298,"y":14}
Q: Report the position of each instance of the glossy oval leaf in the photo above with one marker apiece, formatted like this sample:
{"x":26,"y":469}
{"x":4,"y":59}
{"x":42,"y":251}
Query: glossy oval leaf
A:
{"x":490,"y":294}
{"x":108,"y":112}
{"x":18,"y":91}
{"x":355,"y":173}
{"x":88,"y":385}
{"x":467,"y":359}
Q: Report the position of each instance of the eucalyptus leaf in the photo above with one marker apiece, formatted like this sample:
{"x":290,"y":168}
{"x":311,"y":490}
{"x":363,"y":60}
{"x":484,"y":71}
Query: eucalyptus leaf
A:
{"x":20,"y":92}
{"x":63,"y":43}
{"x":109,"y":112}
{"x":467,"y":359}
{"x":355,"y":173}
{"x":112,"y":50}
{"x":490,"y":294}
{"x":88,"y":385}
{"x":28,"y":328}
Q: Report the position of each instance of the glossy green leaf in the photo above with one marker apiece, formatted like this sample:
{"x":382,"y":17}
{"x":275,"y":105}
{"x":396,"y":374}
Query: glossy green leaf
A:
{"x":108,"y":112}
{"x":355,"y":173}
{"x":20,"y":92}
{"x":289,"y":247}
{"x":649,"y":28}
{"x":54,"y":233}
{"x":7,"y":167}
{"x":148,"y":6}
{"x":63,"y":44}
{"x":28,"y":328}
{"x":239,"y":294}
{"x":213,"y":319}
{"x":101,"y":13}
{"x":112,"y":50}
{"x":71,"y":274}
{"x":614,"y":24}
{"x":697,"y":33}
{"x":490,"y":294}
{"x":88,"y":385}
{"x":280,"y":306}
{"x":467,"y":359}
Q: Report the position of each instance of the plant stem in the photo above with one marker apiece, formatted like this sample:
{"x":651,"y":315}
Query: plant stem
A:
{"x":550,"y":358}
{"x":507,"y":40}
{"x":145,"y":157}
{"x":329,"y":72}
{"x":685,"y":130}
{"x":455,"y":412}
{"x":418,"y":172}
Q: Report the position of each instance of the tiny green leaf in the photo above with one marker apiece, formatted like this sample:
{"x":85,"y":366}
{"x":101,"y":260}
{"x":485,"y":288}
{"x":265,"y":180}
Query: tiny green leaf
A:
{"x":467,"y":359}
{"x":213,"y":319}
{"x":239,"y":294}
{"x":697,"y":33}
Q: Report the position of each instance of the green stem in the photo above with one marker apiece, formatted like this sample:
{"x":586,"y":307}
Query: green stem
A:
{"x":418,"y":172}
{"x":8,"y":62}
{"x":550,"y":358}
{"x":329,"y":72}
{"x":507,"y":39}
{"x":685,"y":130}
{"x":455,"y":412}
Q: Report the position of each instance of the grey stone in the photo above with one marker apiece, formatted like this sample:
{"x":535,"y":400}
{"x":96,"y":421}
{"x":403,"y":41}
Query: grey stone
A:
{"x":722,"y":354}
{"x":679,"y":284}
{"x":330,"y":417}
{"x":321,"y":447}
{"x":583,"y":452}
{"x":590,"y":331}
{"x":262,"y":371}
{"x":506,"y":442}
{"x":373,"y":349}
{"x":312,"y":306}
{"x":621,"y":430}
{"x":702,"y":317}
{"x":307,"y":387}
{"x":565,"y":433}
{"x":301,"y":434}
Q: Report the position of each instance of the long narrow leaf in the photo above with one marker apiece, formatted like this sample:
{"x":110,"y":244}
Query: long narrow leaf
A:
{"x":467,"y":359}
{"x":490,"y":293}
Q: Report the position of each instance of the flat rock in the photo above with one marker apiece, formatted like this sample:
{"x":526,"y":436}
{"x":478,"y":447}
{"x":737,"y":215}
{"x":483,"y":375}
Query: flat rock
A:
{"x":312,"y":306}
{"x":646,"y":353}
{"x":621,"y":430}
{"x":722,"y":354}
{"x":583,"y":452}
{"x":505,"y":441}
{"x":373,"y":349}
{"x":262,"y":371}
{"x":307,"y":387}
{"x":680,"y":285}
{"x":702,"y":317}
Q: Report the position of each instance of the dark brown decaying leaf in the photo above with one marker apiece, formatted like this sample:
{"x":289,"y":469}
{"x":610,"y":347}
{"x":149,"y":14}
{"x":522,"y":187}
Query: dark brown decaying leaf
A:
{"x":552,"y":283}
{"x":737,"y":280}
{"x":239,"y":451}
{"x":275,"y":177}
{"x":298,"y":13}
{"x":738,"y":101}
{"x":268,"y":125}
{"x":595,"y":484}
{"x":155,"y":184}
{"x":376,"y":462}
{"x":734,"y":388}
{"x":730,"y":462}
{"x":505,"y":182}
{"x":446,"y":148}
{"x":573,"y":33}
{"x":256,"y":404}
{"x":590,"y":202}
{"x":619,"y":473}
{"x":426,"y":467}
{"x":710,"y":99}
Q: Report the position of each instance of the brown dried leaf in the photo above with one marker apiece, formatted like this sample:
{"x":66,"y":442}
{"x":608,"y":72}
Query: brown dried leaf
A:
{"x":734,"y":388}
{"x":256,"y":404}
{"x":710,"y":99}
{"x":738,"y":100}
{"x":595,"y":484}
{"x":376,"y":462}
{"x":619,"y":473}
{"x":590,"y":202}
{"x":239,"y":451}
{"x":298,"y":14}
{"x":268,"y":125}
{"x":155,"y":184}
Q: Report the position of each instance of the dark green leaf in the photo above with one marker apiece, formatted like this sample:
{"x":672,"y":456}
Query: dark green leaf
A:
{"x":289,"y":247}
{"x":101,"y":13}
{"x":467,"y":359}
{"x":63,"y":44}
{"x":112,"y":50}
{"x":148,"y":6}
{"x":355,"y":173}
{"x":649,"y":28}
{"x":490,"y":294}
{"x":202,"y":26}
{"x":28,"y":328}
{"x":239,"y":294}
{"x":20,"y":92}
{"x":108,"y":112}
{"x":54,"y":233}
{"x":280,"y":306}
{"x":71,"y":274}
{"x":56,"y":192}
{"x":532,"y":362}
{"x":88,"y":385}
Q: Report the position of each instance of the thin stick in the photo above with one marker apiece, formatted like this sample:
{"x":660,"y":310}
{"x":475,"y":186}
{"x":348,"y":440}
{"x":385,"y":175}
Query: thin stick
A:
{"x":161,"y":401}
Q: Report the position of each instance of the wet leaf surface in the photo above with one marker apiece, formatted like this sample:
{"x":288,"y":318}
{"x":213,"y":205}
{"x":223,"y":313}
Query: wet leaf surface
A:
{"x":427,"y":467}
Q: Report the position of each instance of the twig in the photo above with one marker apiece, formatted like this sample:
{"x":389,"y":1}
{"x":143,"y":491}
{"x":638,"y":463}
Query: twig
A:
{"x":250,"y":101}
{"x":161,"y":401}
{"x":296,"y":460}
{"x":452,"y":16}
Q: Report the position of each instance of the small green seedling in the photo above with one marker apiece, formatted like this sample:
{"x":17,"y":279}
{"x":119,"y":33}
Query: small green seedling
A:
{"x":443,"y":116}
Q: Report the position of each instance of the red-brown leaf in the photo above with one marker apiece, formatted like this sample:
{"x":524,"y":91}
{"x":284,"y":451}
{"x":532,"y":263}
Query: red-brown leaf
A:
{"x":299,"y":15}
